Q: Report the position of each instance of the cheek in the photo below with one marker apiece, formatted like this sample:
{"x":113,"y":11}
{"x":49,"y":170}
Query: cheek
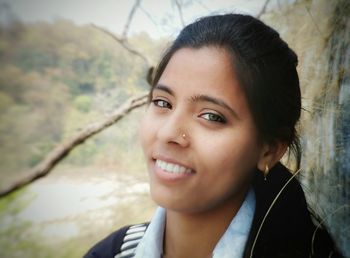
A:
{"x":145,"y":131}
{"x":234,"y":153}
{"x":148,"y":130}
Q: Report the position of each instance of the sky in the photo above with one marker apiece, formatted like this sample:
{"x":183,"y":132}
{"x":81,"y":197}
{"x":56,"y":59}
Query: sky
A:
{"x":156,"y":17}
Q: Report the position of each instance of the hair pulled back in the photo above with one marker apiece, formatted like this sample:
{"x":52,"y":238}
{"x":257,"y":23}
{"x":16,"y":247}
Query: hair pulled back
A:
{"x":264,"y":65}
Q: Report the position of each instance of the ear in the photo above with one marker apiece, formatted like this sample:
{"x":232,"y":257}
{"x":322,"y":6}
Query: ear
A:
{"x":270,"y":154}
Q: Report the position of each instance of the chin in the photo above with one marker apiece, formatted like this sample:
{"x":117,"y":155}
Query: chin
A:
{"x":167,"y":201}
{"x":180,"y":205}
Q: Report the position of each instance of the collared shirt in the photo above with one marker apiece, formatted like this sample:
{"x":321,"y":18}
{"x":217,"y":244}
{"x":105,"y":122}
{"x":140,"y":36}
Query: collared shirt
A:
{"x":231,"y":244}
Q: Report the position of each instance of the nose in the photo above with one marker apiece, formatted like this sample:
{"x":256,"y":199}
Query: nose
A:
{"x":175,"y":129}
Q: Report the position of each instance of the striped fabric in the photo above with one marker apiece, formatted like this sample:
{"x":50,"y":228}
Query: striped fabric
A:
{"x":131,"y":239}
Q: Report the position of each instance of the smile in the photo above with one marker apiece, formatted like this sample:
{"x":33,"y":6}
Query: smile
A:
{"x":172,"y":168}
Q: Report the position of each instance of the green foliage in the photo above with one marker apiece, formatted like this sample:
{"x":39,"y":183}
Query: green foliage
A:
{"x":55,"y":80}
{"x":5,"y":101}
{"x":83,"y":103}
{"x":12,"y":204}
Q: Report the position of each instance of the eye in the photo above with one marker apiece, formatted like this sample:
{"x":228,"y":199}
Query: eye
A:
{"x":213,"y":117}
{"x":161,"y":103}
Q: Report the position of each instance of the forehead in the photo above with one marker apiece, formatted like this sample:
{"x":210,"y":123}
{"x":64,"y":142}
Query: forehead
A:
{"x":206,"y":70}
{"x":211,"y":62}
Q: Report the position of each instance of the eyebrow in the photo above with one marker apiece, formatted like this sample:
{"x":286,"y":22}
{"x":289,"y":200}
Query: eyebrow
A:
{"x":164,"y":88}
{"x":200,"y":98}
{"x":216,"y":101}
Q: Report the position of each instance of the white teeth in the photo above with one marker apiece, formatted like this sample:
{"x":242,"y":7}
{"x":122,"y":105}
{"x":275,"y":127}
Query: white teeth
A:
{"x":172,"y":168}
{"x":183,"y":170}
{"x":176,"y":169}
{"x":169,"y":167}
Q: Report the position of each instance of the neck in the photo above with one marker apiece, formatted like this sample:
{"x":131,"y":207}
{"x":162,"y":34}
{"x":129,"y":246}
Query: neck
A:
{"x":196,"y":234}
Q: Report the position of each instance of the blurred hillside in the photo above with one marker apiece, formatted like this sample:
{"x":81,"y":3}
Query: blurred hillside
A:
{"x":57,"y":78}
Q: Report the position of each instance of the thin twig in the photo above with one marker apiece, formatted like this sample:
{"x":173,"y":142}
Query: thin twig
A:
{"x":62,"y":150}
{"x":263,"y":10}
{"x":124,"y":44}
{"x":179,"y":9}
{"x":149,"y":16}
{"x":130,"y":17}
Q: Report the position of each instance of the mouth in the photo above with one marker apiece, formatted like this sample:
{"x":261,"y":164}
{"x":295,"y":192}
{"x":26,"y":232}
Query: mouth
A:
{"x":172,"y":167}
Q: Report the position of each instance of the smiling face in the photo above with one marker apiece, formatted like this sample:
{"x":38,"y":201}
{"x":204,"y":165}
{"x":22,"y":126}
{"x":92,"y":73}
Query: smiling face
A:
{"x":198,"y":134}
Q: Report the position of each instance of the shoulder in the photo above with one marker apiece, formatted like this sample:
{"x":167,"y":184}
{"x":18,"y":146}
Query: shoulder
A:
{"x":123,"y":240}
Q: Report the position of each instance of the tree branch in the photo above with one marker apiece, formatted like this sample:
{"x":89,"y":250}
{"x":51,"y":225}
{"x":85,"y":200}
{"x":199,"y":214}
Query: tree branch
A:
{"x":149,"y":16}
{"x":130,"y":17}
{"x":124,"y":44}
{"x":179,"y":9}
{"x":263,"y":10}
{"x":58,"y":153}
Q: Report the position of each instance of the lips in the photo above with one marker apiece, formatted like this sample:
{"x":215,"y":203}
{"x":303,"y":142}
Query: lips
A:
{"x":172,"y":167}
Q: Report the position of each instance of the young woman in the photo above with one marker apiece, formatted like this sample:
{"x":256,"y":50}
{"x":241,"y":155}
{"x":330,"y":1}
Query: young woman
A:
{"x":223,"y":108}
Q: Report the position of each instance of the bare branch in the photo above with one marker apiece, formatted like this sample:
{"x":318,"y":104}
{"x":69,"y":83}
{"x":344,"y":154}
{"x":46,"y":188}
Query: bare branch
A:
{"x":263,"y":10}
{"x":124,"y":44}
{"x":179,"y":9}
{"x":57,"y":154}
{"x":130,"y":17}
{"x":149,"y":16}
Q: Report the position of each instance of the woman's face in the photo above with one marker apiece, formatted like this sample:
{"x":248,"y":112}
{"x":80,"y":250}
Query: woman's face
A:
{"x":198,"y":134}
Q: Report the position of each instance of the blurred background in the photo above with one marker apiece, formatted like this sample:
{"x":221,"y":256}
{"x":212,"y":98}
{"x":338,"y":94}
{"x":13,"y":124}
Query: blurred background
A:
{"x":67,"y":66}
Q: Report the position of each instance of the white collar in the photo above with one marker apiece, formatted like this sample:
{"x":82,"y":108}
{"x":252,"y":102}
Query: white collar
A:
{"x":231,"y":244}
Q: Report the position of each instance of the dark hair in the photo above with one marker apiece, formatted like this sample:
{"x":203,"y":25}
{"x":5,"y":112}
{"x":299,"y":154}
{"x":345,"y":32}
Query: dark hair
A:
{"x":265,"y":67}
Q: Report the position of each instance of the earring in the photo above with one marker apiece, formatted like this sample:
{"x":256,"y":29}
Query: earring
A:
{"x":266,"y":172}
{"x":183,"y":136}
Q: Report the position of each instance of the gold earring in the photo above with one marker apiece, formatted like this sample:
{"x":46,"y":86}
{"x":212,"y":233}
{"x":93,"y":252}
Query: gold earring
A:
{"x":266,"y":171}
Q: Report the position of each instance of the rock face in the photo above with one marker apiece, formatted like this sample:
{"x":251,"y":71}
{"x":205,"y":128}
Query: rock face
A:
{"x":319,"y":31}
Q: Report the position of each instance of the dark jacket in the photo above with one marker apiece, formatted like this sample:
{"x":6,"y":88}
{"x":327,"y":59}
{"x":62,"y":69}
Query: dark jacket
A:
{"x":288,"y":230}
